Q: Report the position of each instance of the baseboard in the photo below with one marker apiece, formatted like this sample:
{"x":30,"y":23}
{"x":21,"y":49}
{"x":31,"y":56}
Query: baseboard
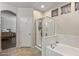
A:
{"x":38,"y":48}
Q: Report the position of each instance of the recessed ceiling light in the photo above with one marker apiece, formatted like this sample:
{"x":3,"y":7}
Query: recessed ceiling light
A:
{"x":42,"y":6}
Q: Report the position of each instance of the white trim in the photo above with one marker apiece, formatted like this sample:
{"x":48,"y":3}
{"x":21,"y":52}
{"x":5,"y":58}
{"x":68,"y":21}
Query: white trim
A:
{"x":38,"y":48}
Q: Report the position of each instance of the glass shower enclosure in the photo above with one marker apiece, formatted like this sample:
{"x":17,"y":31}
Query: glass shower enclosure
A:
{"x":44,"y":27}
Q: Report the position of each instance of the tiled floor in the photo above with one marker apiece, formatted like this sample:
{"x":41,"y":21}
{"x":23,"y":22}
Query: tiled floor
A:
{"x":21,"y":52}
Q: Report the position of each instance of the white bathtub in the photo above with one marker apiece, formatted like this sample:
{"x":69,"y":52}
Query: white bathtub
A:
{"x":62,"y":50}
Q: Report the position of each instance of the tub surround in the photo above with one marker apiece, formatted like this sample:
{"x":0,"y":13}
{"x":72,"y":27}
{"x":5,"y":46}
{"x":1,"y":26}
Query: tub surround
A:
{"x":70,"y":40}
{"x":62,"y":50}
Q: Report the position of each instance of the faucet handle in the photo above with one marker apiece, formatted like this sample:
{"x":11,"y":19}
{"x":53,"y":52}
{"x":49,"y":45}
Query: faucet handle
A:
{"x":52,"y":46}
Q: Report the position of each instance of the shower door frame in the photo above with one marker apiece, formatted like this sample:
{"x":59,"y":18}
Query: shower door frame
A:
{"x":36,"y":33}
{"x":54,"y":30}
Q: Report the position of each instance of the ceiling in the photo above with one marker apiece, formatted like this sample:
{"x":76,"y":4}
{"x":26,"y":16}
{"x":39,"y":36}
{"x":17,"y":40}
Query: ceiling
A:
{"x":36,"y":5}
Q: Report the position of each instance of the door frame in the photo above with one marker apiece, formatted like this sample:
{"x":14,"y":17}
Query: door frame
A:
{"x":1,"y":27}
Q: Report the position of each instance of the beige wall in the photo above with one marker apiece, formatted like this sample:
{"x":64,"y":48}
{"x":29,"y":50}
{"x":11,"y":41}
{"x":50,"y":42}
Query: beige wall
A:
{"x":66,"y":23}
{"x":37,"y":14}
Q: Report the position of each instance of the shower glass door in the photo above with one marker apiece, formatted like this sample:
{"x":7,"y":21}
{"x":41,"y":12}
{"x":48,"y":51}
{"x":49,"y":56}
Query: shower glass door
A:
{"x":48,"y":27}
{"x":44,"y":27}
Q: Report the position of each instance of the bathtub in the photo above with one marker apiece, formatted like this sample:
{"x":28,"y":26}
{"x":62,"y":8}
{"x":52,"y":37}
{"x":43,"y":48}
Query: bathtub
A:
{"x":62,"y":50}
